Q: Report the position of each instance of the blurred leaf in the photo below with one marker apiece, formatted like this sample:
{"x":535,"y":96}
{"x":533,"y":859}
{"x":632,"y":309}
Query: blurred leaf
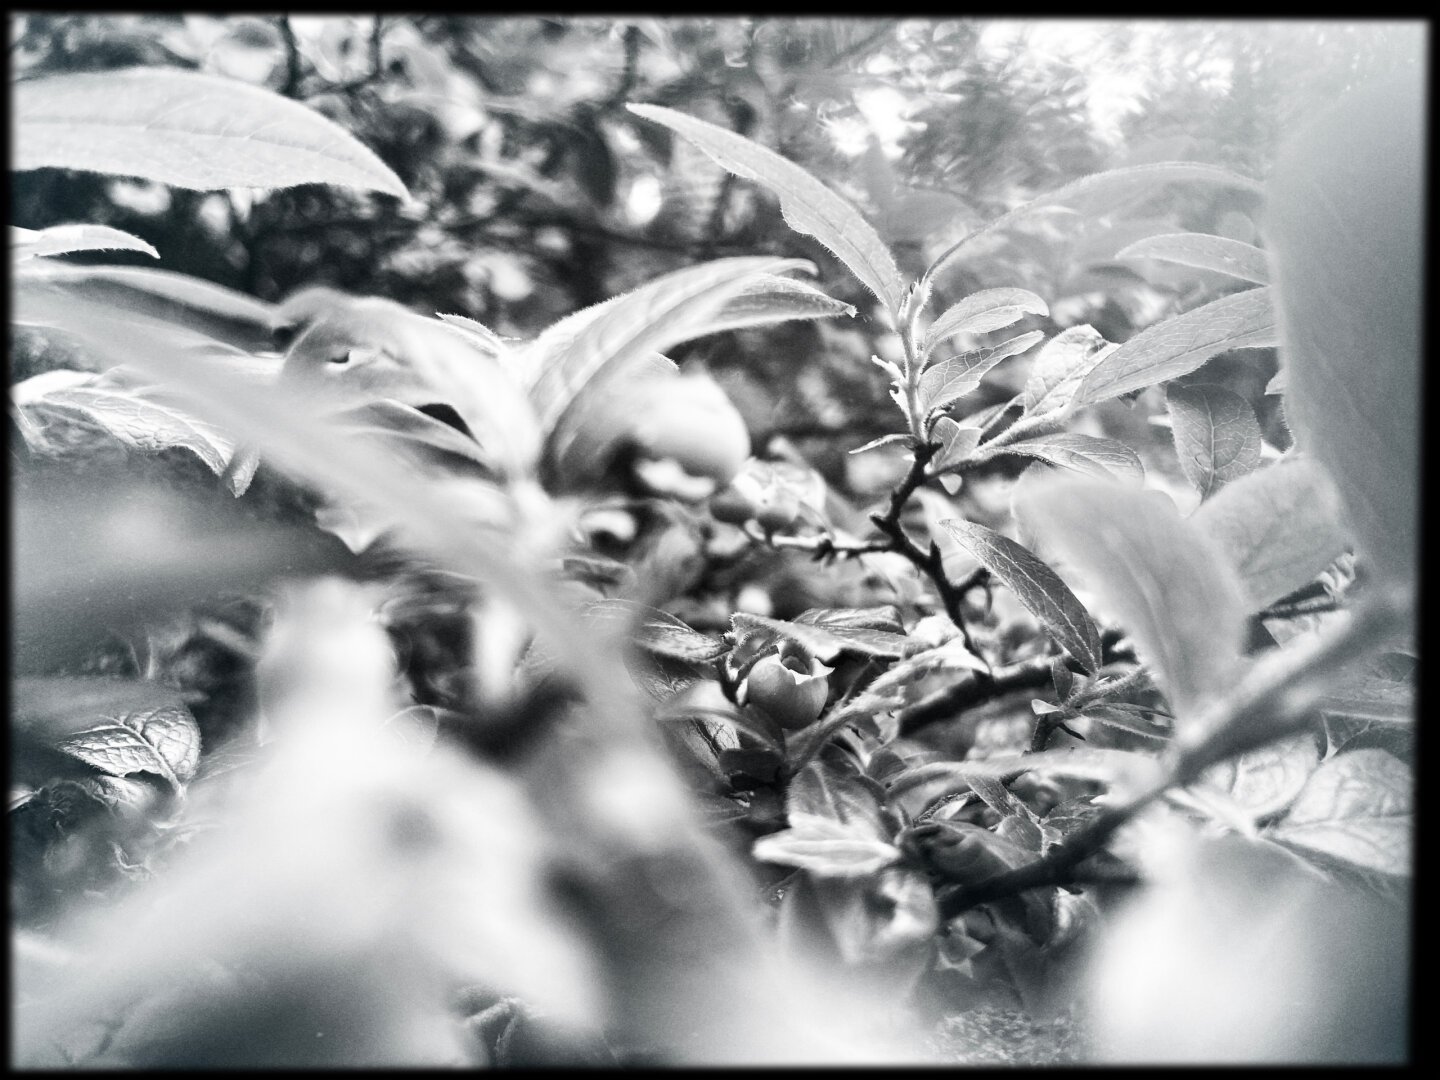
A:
{"x":1372,"y":699}
{"x":1162,"y":579}
{"x":1059,"y":367}
{"x":884,"y":440}
{"x":61,"y":239}
{"x":1102,"y":459}
{"x":1267,"y":780}
{"x":808,"y":205}
{"x":981,"y":312}
{"x":1355,"y":807}
{"x":1345,"y":209}
{"x":951,"y":379}
{"x":822,"y":789}
{"x":827,"y":848}
{"x":659,"y":632}
{"x":431,"y":447}
{"x":1217,"y":437}
{"x":1037,"y":587}
{"x":1181,"y":344}
{"x":664,"y":312}
{"x":1204,"y":252}
{"x":187,"y":129}
{"x":1279,"y":527}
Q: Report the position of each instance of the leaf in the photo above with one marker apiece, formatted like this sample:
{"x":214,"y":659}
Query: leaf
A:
{"x":1355,"y":807}
{"x":981,"y":312}
{"x":1216,"y":435}
{"x":1345,"y":213}
{"x":664,"y":312}
{"x":164,"y":741}
{"x":61,"y":239}
{"x":1278,"y":527}
{"x":826,"y":849}
{"x":1163,"y":172}
{"x":1037,"y":587}
{"x":659,"y":632}
{"x":1372,"y":699}
{"x":826,"y":642}
{"x":880,"y":617}
{"x":1058,"y":368}
{"x":769,"y":298}
{"x":145,"y":421}
{"x":1161,"y":578}
{"x":186,"y":129}
{"x":822,"y":790}
{"x":950,"y":379}
{"x":807,"y":205}
{"x":1265,"y":781}
{"x":483,"y":337}
{"x":1113,"y":767}
{"x":1204,"y":252}
{"x":428,"y":445}
{"x":1102,"y":459}
{"x":1178,"y":346}
{"x":884,"y":440}
{"x":956,"y":444}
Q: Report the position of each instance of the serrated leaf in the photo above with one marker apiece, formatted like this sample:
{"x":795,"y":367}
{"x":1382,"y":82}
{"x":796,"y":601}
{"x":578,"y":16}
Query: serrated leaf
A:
{"x":1204,"y":252}
{"x":1162,"y":172}
{"x":163,"y":741}
{"x":1278,"y":527}
{"x":808,"y":205}
{"x":1037,"y":587}
{"x":982,"y":312}
{"x":1217,"y":437}
{"x":664,"y":312}
{"x":951,"y":379}
{"x":1058,"y":368}
{"x":186,"y":129}
{"x":1181,"y":344}
{"x":1356,"y":807}
{"x":1345,"y":212}
{"x":145,"y":422}
{"x":62,"y":239}
{"x":826,"y":849}
{"x":1160,"y":577}
{"x":1102,"y":459}
{"x":1265,"y":781}
{"x":826,"y":643}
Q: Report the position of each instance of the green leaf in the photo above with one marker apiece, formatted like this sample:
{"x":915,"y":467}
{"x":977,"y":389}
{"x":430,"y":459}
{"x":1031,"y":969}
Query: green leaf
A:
{"x":1102,"y":459}
{"x":1278,"y":527}
{"x":1204,"y":252}
{"x":880,"y":617}
{"x":1163,"y":172}
{"x":186,"y":129}
{"x":769,"y":298}
{"x":1160,"y":577}
{"x":827,"y":849}
{"x":956,"y":444}
{"x":826,"y":643}
{"x":1037,"y":587}
{"x":1216,"y":435}
{"x":808,"y":205}
{"x":952,"y":379}
{"x":429,"y":446}
{"x":981,"y":312}
{"x":1265,"y":781}
{"x":1178,"y":346}
{"x":884,"y":440}
{"x":664,"y":312}
{"x":659,"y":632}
{"x":823,"y":790}
{"x":61,"y":239}
{"x":1356,"y":807}
{"x":1345,"y":214}
{"x":1371,"y":699}
{"x":164,"y":741}
{"x":1058,"y":368}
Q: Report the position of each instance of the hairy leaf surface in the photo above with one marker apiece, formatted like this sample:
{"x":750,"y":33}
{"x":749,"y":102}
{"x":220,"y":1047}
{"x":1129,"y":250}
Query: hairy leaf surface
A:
{"x":952,"y":379}
{"x":981,"y":312}
{"x":1217,"y":437}
{"x":61,"y":239}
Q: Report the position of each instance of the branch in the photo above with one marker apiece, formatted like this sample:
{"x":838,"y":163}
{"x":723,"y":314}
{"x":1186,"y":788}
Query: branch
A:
{"x":1275,"y":699}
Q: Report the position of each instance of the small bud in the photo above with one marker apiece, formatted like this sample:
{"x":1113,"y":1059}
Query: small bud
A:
{"x":792,"y":689}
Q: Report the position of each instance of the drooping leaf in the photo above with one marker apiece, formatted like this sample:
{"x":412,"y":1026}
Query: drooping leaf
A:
{"x":1102,"y":459}
{"x":673,"y":308}
{"x":1278,"y":527}
{"x":186,"y":129}
{"x":62,"y":239}
{"x":1163,"y":579}
{"x":769,"y":298}
{"x":1204,"y":252}
{"x":1037,"y":587}
{"x":1344,"y":229}
{"x":808,"y":205}
{"x":1217,"y":437}
{"x":1178,"y":346}
{"x":1059,"y":367}
{"x":952,"y":379}
{"x":1163,"y":172}
{"x":981,"y":312}
{"x":1356,"y":807}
